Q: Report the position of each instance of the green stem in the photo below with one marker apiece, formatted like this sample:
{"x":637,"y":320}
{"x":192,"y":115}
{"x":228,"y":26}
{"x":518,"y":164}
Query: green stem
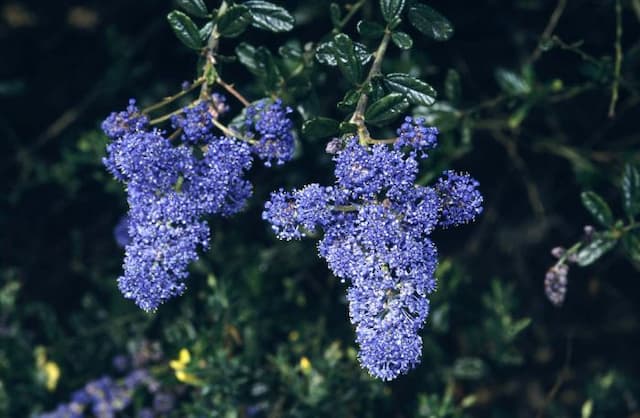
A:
{"x":176,"y":96}
{"x":210,"y":51}
{"x":168,"y":116}
{"x":618,"y":62}
{"x":358,"y":115}
{"x":230,"y":132}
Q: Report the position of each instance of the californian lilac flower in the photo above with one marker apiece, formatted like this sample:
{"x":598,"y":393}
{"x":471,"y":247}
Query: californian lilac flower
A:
{"x":376,"y":223}
{"x":121,"y":232}
{"x":219,"y":105}
{"x":196,"y":124}
{"x":555,"y":284}
{"x":269,"y":125}
{"x":461,"y":199}
{"x":105,"y":397}
{"x":120,"y":123}
{"x":171,"y":188}
{"x":280,"y":212}
{"x":413,"y":134}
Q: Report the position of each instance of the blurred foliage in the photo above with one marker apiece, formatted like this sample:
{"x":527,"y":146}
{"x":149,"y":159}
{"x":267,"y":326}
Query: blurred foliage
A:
{"x":538,"y":98}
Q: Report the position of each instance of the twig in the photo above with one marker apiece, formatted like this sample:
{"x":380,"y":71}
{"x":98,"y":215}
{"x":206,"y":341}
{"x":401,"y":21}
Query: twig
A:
{"x":354,"y":9}
{"x":548,"y":30}
{"x":176,"y":96}
{"x":618,"y":63}
{"x":358,"y":115}
{"x":235,"y":93}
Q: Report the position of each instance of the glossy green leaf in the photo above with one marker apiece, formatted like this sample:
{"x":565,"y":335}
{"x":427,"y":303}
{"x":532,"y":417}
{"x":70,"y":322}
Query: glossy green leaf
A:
{"x":512,"y":83}
{"x":320,"y":128}
{"x":631,"y":245}
{"x":453,"y":87}
{"x":184,"y":28}
{"x":247,"y":56}
{"x":631,"y":190}
{"x":430,"y":22}
{"x":269,"y":16}
{"x":346,"y":57}
{"x":335,"y":13}
{"x":196,"y":8}
{"x":598,"y":208}
{"x":391,"y":9}
{"x":594,"y":250}
{"x":205,"y":32}
{"x":234,"y":21}
{"x":348,"y":128}
{"x":386,"y":109}
{"x":417,"y":91}
{"x":325,"y":53}
{"x":402,"y":40}
{"x":370,"y":30}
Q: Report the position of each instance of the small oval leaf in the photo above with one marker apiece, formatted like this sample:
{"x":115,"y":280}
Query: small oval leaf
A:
{"x":184,"y":28}
{"x":417,"y":91}
{"x":196,"y":8}
{"x":320,"y":128}
{"x":594,"y":250}
{"x":402,"y":40}
{"x":269,"y":16}
{"x":234,"y":21}
{"x":631,"y":190}
{"x":386,"y":109}
{"x":391,"y":9}
{"x":430,"y":22}
{"x":598,"y":208}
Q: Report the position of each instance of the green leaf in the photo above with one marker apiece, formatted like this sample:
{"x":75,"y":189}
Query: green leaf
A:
{"x":386,"y":109}
{"x":430,"y":22}
{"x":349,"y":100}
{"x":186,"y":31}
{"x":631,"y":190}
{"x":512,"y":83}
{"x":247,"y":56}
{"x":453,"y":87}
{"x":417,"y":91}
{"x":346,"y":57}
{"x":598,"y":208}
{"x":370,"y":30}
{"x":320,"y":128}
{"x":335,"y":13}
{"x":402,"y":40}
{"x":269,"y":16}
{"x":391,"y":9}
{"x":348,"y":127}
{"x":631,"y":245}
{"x":325,"y":53}
{"x":234,"y":21}
{"x":205,"y":32}
{"x":196,"y":8}
{"x":594,"y":250}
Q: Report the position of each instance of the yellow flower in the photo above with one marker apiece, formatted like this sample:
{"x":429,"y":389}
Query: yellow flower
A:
{"x":179,"y":366}
{"x":305,"y":365}
{"x":52,"y":372}
{"x":49,"y":371}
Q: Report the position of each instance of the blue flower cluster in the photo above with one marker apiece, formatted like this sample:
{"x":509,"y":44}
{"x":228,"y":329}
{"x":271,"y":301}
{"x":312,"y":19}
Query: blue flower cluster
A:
{"x":376,"y":223}
{"x":104,"y":397}
{"x":172,"y":187}
{"x":267,"y":123}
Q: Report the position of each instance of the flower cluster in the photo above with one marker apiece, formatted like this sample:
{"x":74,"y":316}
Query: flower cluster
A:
{"x":106,"y":396}
{"x":103,"y":397}
{"x":172,"y":187}
{"x":376,"y":223}
{"x":267,"y":123}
